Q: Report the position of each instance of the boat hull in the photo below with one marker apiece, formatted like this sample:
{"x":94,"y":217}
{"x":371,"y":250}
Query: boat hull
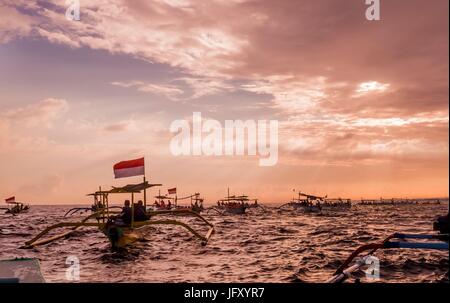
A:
{"x":235,"y":210}
{"x":120,"y":237}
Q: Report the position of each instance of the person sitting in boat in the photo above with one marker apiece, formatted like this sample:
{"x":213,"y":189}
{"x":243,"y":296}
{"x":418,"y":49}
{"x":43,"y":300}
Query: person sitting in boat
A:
{"x":140,"y":214}
{"x":169,"y":204}
{"x":162,"y":204}
{"x":125,"y":215}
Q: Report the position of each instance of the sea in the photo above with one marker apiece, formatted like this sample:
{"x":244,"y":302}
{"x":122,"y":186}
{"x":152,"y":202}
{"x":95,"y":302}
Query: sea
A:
{"x":266,"y":244}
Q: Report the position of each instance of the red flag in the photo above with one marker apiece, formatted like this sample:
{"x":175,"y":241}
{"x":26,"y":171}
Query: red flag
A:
{"x":172,"y":191}
{"x":129,"y":168}
{"x":10,"y":200}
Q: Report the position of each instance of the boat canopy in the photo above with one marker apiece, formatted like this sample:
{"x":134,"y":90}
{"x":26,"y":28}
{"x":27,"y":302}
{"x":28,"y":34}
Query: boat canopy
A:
{"x":130,"y":188}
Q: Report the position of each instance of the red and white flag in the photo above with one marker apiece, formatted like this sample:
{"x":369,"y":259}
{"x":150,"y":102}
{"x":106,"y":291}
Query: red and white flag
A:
{"x":172,"y":191}
{"x":10,"y":200}
{"x":129,"y":168}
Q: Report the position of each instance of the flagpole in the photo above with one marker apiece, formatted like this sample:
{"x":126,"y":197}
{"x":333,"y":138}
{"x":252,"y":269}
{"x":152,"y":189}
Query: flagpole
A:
{"x":145,"y":195}
{"x":132,"y":209}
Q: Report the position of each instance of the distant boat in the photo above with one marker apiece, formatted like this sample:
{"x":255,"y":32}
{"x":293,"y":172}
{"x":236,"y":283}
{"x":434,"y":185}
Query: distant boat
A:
{"x":236,"y":205}
{"x":16,"y":207}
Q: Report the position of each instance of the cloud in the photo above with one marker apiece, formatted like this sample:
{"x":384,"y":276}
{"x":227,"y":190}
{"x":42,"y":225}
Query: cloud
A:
{"x":42,"y":113}
{"x":169,"y":91}
{"x":13,"y":24}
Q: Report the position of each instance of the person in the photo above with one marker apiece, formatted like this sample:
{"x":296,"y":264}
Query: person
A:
{"x":169,"y":204}
{"x":140,"y":213}
{"x":156,"y":203}
{"x":125,"y":215}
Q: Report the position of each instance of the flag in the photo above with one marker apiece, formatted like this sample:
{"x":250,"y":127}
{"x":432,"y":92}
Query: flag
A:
{"x":10,"y":200}
{"x":172,"y":191}
{"x":129,"y":168}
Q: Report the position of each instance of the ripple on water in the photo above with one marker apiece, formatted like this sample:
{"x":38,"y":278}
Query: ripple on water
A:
{"x":272,"y":246}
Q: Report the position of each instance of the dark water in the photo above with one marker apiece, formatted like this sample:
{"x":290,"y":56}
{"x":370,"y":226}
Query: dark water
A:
{"x":270,"y":246}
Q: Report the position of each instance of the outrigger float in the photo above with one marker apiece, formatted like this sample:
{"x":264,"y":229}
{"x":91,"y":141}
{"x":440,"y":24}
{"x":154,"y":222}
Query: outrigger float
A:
{"x":119,"y":233}
{"x":355,"y":262}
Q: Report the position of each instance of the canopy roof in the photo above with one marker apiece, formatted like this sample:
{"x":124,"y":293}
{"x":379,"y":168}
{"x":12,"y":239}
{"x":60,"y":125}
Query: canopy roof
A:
{"x":130,"y":188}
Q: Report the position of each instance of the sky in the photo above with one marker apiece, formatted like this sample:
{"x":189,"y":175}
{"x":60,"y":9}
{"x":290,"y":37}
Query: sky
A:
{"x":362,"y":106}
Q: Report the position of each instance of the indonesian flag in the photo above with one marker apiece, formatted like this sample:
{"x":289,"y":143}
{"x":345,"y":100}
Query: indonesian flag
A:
{"x":10,"y":200}
{"x":172,"y":191}
{"x":129,"y":168}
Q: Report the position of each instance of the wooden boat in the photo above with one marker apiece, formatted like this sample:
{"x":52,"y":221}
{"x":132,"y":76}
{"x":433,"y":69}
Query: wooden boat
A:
{"x":119,"y":233}
{"x":16,"y":208}
{"x":236,"y":205}
{"x":161,"y":204}
{"x":196,"y":203}
{"x":398,"y":202}
{"x":305,"y":203}
{"x":316,"y":204}
{"x":95,"y":207}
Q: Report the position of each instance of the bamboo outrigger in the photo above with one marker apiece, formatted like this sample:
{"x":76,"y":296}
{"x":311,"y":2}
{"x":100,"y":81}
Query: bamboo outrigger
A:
{"x":355,"y":263}
{"x":118,"y":233}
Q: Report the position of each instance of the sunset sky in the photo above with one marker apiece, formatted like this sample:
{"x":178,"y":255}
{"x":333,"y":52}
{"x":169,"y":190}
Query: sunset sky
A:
{"x":363,"y":106}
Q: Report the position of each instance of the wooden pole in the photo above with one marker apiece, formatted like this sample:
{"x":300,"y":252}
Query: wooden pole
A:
{"x":145,"y":195}
{"x":132,"y":210}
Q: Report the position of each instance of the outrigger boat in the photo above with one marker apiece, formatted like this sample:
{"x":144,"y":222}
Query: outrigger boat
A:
{"x":196,"y":204}
{"x":161,"y":204}
{"x":95,"y":207}
{"x":397,"y":202}
{"x":316,"y":204}
{"x":306,"y":203}
{"x":119,"y":233}
{"x":235,"y":204}
{"x":16,"y":207}
{"x":355,"y":262}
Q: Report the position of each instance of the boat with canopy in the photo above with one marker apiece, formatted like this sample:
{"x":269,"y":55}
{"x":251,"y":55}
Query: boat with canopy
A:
{"x":235,"y":204}
{"x":317,"y":204}
{"x":121,"y":234}
{"x":15,"y":207}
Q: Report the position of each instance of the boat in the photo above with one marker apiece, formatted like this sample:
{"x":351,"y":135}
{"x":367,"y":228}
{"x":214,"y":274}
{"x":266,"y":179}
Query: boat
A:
{"x":119,"y":233}
{"x":196,"y":203}
{"x":337,"y":204}
{"x":236,"y":205}
{"x":21,"y":270}
{"x":161,"y":204}
{"x":15,"y":207}
{"x":317,"y":204}
{"x":95,"y":207}
{"x":397,"y":202}
{"x":305,"y":203}
{"x":355,"y":262}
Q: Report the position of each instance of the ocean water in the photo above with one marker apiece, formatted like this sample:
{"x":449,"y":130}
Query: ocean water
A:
{"x":260,"y":246}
